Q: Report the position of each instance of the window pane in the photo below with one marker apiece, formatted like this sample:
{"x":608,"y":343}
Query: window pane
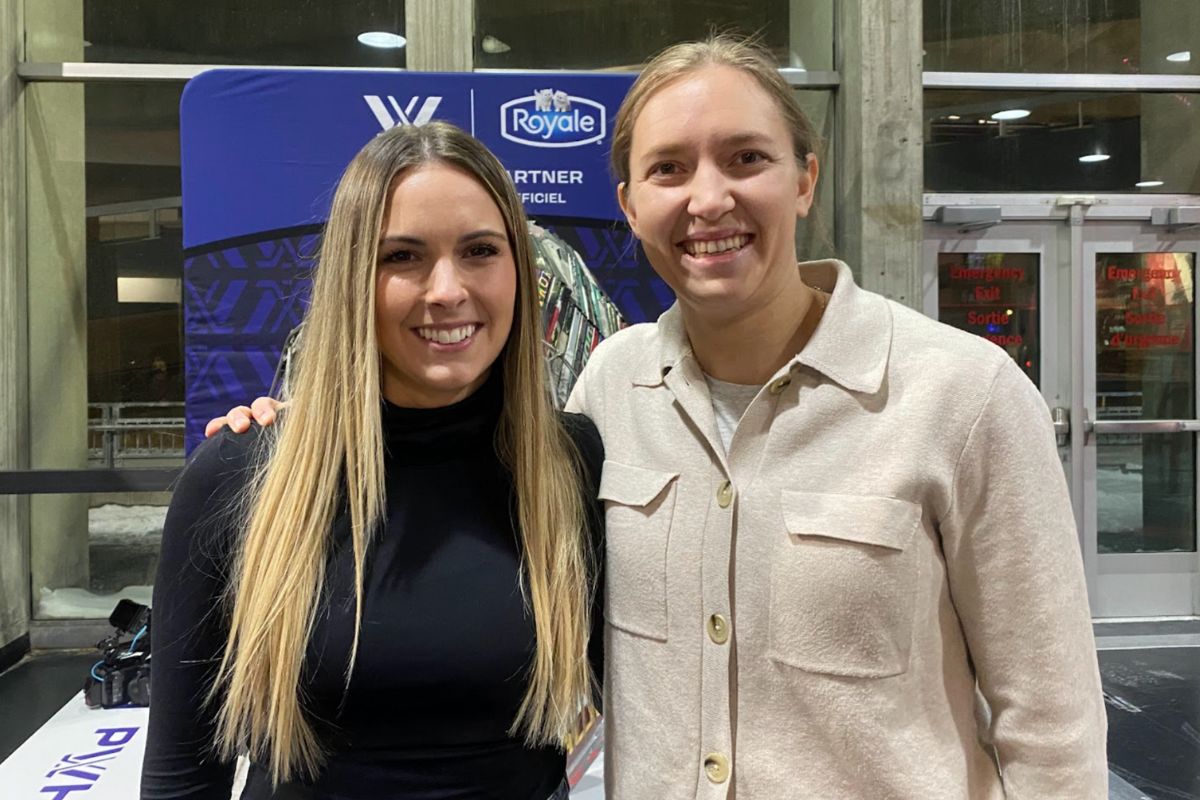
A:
{"x":1068,"y":141}
{"x":105,"y":262}
{"x":229,"y":32}
{"x":1116,"y":36}
{"x":994,"y":295}
{"x":111,"y":553}
{"x":589,"y":34}
{"x":1145,"y":369}
{"x":134,"y":267}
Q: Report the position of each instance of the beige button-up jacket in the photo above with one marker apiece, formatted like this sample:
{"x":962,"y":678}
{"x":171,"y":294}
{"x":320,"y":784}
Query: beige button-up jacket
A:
{"x":889,"y":531}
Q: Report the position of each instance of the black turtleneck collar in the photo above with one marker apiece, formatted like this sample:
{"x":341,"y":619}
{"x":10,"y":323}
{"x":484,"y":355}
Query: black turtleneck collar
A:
{"x":430,"y":435}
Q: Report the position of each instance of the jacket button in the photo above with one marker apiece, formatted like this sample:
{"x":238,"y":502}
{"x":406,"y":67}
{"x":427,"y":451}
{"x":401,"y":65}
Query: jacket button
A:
{"x":716,"y":767}
{"x":718,"y":629}
{"x":725,"y":494}
{"x":779,"y":384}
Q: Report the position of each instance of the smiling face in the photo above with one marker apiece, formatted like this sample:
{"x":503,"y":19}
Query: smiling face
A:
{"x":445,"y":287}
{"x":714,"y":191}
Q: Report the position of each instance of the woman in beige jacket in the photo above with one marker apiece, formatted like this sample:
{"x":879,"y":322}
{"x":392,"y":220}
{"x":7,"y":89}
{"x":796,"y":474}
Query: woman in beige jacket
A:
{"x":841,"y":556}
{"x":841,"y":560}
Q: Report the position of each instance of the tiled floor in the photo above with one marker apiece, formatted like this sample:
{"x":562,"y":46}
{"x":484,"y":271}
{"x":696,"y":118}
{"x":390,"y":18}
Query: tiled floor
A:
{"x":1153,"y":698}
{"x":34,"y":689}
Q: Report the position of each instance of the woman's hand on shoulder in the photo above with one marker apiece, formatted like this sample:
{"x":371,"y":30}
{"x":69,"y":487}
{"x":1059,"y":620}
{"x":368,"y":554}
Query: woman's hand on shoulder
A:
{"x":262,"y":410}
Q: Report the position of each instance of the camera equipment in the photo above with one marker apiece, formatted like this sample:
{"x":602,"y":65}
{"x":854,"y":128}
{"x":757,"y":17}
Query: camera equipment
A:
{"x":122,"y":676}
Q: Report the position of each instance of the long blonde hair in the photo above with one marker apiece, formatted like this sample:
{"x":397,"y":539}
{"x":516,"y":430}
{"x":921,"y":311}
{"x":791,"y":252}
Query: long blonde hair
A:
{"x":326,"y":454}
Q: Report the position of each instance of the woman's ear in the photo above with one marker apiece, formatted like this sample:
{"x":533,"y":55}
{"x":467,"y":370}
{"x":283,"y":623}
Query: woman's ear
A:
{"x":627,"y":207}
{"x":806,"y":186}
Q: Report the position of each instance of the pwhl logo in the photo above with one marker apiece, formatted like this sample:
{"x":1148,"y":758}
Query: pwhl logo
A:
{"x":552,"y":119}
{"x":407,"y":115}
{"x":79,"y":772}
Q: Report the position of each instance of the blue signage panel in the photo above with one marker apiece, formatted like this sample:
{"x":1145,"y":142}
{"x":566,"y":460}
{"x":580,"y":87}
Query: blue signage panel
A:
{"x":262,"y":151}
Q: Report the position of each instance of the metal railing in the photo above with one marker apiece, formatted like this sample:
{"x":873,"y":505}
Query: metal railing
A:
{"x":123,"y":432}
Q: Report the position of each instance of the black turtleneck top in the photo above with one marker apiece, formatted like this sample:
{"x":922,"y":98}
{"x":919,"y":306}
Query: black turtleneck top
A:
{"x":446,"y":638}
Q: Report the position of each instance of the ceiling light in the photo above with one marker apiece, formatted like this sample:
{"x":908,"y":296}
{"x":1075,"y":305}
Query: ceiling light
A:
{"x":1183,"y":56}
{"x":1012,"y":113}
{"x":1148,"y":184}
{"x":954,"y":117}
{"x":492,"y":45}
{"x":382,"y":39}
{"x":149,"y":290}
{"x":1095,"y":158}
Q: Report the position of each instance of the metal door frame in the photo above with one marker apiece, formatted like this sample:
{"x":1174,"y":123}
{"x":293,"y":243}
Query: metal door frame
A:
{"x":1119,"y":592}
{"x":1086,"y":217}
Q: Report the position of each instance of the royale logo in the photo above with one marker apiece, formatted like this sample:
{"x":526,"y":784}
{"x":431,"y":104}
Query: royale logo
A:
{"x":403,"y":116}
{"x":550,"y":118}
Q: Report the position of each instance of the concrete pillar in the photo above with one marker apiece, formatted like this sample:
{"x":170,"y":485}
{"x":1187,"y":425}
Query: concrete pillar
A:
{"x":14,"y":402}
{"x":878,"y":176}
{"x":57,"y":294}
{"x":441,"y":35}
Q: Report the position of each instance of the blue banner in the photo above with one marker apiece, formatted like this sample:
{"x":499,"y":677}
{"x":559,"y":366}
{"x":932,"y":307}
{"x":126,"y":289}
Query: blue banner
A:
{"x":262,"y":151}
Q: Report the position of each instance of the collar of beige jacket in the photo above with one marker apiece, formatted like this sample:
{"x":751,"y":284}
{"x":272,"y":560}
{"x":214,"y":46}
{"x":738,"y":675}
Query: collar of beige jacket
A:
{"x":850,"y":346}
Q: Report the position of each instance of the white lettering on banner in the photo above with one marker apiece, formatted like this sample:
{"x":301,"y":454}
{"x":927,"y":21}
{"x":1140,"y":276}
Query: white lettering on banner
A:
{"x":540,"y":176}
{"x":403,"y":116}
{"x":545,"y":126}
{"x":545,"y":198}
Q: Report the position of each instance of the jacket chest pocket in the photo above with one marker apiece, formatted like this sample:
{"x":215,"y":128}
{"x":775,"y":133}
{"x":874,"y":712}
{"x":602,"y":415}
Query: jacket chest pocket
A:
{"x":638,"y":506}
{"x":843,"y":584}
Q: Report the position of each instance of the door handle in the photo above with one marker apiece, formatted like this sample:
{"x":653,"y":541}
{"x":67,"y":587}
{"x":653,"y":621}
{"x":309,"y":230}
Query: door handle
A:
{"x":1061,"y":418}
{"x":1100,"y":426}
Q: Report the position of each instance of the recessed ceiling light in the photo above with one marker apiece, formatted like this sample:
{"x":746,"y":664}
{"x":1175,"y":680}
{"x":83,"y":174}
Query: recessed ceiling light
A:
{"x":382,"y":39}
{"x":1181,"y":57}
{"x":1012,"y":113}
{"x":493,"y":46}
{"x":1148,"y":184}
{"x":1095,"y":158}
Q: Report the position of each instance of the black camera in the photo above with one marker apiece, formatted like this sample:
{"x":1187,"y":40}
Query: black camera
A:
{"x":122,"y":676}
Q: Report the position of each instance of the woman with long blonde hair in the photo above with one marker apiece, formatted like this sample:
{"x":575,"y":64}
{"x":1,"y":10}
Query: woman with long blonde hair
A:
{"x":390,"y":592}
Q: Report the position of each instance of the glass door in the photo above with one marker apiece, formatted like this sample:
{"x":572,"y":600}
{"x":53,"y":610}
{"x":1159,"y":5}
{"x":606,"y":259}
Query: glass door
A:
{"x":1009,"y":282}
{"x":1095,"y":300}
{"x":1139,"y":397}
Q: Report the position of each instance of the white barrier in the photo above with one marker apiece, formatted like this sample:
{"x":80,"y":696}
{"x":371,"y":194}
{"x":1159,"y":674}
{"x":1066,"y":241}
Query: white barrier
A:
{"x":79,"y":754}
{"x":96,"y":754}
